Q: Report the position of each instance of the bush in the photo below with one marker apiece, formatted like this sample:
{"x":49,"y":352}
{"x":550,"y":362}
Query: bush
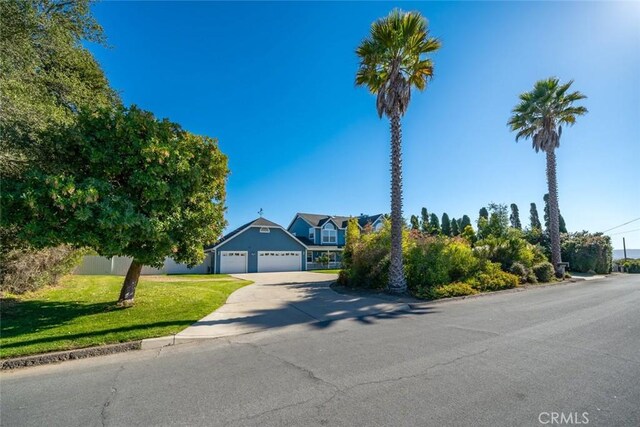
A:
{"x":508,"y":249}
{"x":584,"y":252}
{"x":435,"y":261}
{"x":456,"y":289}
{"x":520,"y":270}
{"x":26,"y":270}
{"x":492,"y":278}
{"x":630,"y":265}
{"x":544,"y":272}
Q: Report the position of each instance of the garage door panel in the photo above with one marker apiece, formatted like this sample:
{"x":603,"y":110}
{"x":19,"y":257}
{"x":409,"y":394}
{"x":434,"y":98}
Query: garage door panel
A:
{"x":232,"y":262}
{"x":279,"y":261}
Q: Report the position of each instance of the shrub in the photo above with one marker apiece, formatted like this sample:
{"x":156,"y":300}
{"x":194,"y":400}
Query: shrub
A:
{"x":520,"y":270}
{"x":544,"y":271}
{"x":508,"y":249}
{"x":492,"y":278}
{"x":630,"y":265}
{"x":456,"y":289}
{"x":26,"y":270}
{"x":435,"y":261}
{"x":585,"y":251}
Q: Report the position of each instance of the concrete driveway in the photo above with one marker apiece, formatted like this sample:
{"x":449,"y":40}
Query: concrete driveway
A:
{"x":278,"y":300}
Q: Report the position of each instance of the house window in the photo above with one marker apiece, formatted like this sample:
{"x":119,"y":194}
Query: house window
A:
{"x":312,"y":234}
{"x":332,"y":257}
{"x":329,"y":234}
{"x":309,"y":256}
{"x":265,"y":230}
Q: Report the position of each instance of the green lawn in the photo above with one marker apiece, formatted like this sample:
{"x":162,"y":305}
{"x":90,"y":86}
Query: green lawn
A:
{"x":326,"y":271}
{"x":82,"y":311}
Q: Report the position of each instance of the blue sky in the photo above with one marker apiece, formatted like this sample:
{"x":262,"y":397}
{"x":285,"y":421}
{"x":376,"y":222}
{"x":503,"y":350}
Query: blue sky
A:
{"x":274,"y":82}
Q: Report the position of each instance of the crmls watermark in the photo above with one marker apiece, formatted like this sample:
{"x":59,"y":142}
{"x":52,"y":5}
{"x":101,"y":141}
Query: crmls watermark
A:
{"x":563,"y":418}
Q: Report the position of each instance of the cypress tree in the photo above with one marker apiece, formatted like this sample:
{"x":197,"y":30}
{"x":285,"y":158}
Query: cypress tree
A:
{"x":455,"y":227}
{"x":484,"y":213}
{"x":515,"y":217}
{"x":563,"y":225}
{"x":446,"y":225}
{"x":464,"y":222}
{"x":534,"y":218}
{"x":434,"y":224}
{"x":425,"y":220}
{"x":415,"y":224}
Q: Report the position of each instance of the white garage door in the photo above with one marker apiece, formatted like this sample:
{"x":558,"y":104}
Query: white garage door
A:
{"x":233,"y":262}
{"x":279,"y":261}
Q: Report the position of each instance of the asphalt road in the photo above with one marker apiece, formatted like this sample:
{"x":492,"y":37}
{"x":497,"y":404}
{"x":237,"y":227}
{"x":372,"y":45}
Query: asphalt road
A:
{"x":511,"y":359}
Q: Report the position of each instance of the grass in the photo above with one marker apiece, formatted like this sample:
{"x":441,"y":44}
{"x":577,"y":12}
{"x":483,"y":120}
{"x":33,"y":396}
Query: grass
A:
{"x":335,"y":271}
{"x":82,"y":311}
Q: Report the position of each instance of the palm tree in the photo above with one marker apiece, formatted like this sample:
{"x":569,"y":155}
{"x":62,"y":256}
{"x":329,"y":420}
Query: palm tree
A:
{"x":540,"y":116}
{"x":392,"y":61}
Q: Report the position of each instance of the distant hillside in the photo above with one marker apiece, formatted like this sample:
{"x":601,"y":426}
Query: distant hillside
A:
{"x":631,"y":253}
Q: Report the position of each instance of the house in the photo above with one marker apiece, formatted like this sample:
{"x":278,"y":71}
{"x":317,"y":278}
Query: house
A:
{"x":325,"y":235}
{"x":258,"y":246}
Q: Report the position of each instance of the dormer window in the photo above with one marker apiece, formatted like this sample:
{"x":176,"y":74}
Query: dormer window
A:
{"x":329,"y":234}
{"x":312,"y":234}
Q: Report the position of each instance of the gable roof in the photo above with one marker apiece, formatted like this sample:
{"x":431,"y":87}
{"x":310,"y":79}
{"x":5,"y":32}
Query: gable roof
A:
{"x":364,"y":219}
{"x":318,"y":220}
{"x":258,"y":222}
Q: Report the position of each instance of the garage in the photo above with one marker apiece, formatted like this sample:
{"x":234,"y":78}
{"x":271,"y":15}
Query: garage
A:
{"x":233,"y":262}
{"x":279,"y":261}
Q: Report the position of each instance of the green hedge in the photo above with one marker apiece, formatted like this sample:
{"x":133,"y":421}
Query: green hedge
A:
{"x":587,"y":253}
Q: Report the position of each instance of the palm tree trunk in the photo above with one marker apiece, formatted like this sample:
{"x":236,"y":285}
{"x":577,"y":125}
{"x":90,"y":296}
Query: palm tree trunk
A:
{"x":397,"y":283}
{"x":130,"y":282}
{"x":554,"y":211}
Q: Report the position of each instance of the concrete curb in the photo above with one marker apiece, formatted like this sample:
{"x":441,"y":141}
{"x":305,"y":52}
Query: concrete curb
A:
{"x":61,"y":356}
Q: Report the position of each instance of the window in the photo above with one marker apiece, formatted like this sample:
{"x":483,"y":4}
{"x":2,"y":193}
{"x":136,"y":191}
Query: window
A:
{"x":309,"y":256}
{"x":332,"y":257}
{"x":265,"y":230}
{"x":312,"y":234}
{"x":329,"y":234}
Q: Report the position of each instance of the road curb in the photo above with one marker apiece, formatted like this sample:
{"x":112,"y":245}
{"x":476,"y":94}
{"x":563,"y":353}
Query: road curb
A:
{"x":61,"y":356}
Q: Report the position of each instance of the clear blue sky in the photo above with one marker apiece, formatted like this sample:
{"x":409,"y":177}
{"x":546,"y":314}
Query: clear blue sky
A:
{"x":274,"y":82}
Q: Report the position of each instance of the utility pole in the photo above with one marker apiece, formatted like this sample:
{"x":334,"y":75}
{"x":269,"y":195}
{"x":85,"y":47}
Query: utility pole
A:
{"x":624,"y":248}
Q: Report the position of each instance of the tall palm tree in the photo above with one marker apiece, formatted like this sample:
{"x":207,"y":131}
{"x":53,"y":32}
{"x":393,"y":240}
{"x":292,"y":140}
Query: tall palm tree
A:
{"x":392,"y":61}
{"x":540,"y":116}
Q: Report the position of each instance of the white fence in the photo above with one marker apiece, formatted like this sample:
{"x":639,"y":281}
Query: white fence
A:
{"x":118,"y":266}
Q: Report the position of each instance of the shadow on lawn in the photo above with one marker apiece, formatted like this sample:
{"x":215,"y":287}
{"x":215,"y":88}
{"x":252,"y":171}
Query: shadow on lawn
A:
{"x":24,"y":317}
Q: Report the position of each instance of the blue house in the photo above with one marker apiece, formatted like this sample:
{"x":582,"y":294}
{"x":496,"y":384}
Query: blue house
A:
{"x":258,"y":246}
{"x":324,"y":235}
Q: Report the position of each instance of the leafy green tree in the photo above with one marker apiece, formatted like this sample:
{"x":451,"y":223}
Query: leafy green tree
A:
{"x":562,"y":225}
{"x":446,"y":224}
{"x":415,"y":223}
{"x":484,"y":213}
{"x":393,"y":59}
{"x":515,"y":217}
{"x":424,"y":220}
{"x":123,"y":183}
{"x":540,"y":116}
{"x":464,"y":222}
{"x":46,"y":75}
{"x":455,"y":230}
{"x":534,"y":218}
{"x":434,"y":224}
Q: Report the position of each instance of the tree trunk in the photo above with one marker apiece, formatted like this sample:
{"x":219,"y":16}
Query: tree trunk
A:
{"x":130,"y":282}
{"x":554,"y":211}
{"x":397,"y":284}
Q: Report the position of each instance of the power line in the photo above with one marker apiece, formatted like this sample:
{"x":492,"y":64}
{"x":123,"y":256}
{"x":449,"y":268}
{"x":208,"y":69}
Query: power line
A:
{"x":623,"y":232}
{"x":618,"y":226}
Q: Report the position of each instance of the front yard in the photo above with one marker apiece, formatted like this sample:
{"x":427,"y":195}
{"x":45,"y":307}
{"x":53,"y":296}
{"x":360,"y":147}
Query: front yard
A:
{"x":82,"y":312}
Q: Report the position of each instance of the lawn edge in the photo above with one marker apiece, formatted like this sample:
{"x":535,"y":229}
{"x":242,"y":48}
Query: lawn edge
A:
{"x":62,"y":356}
